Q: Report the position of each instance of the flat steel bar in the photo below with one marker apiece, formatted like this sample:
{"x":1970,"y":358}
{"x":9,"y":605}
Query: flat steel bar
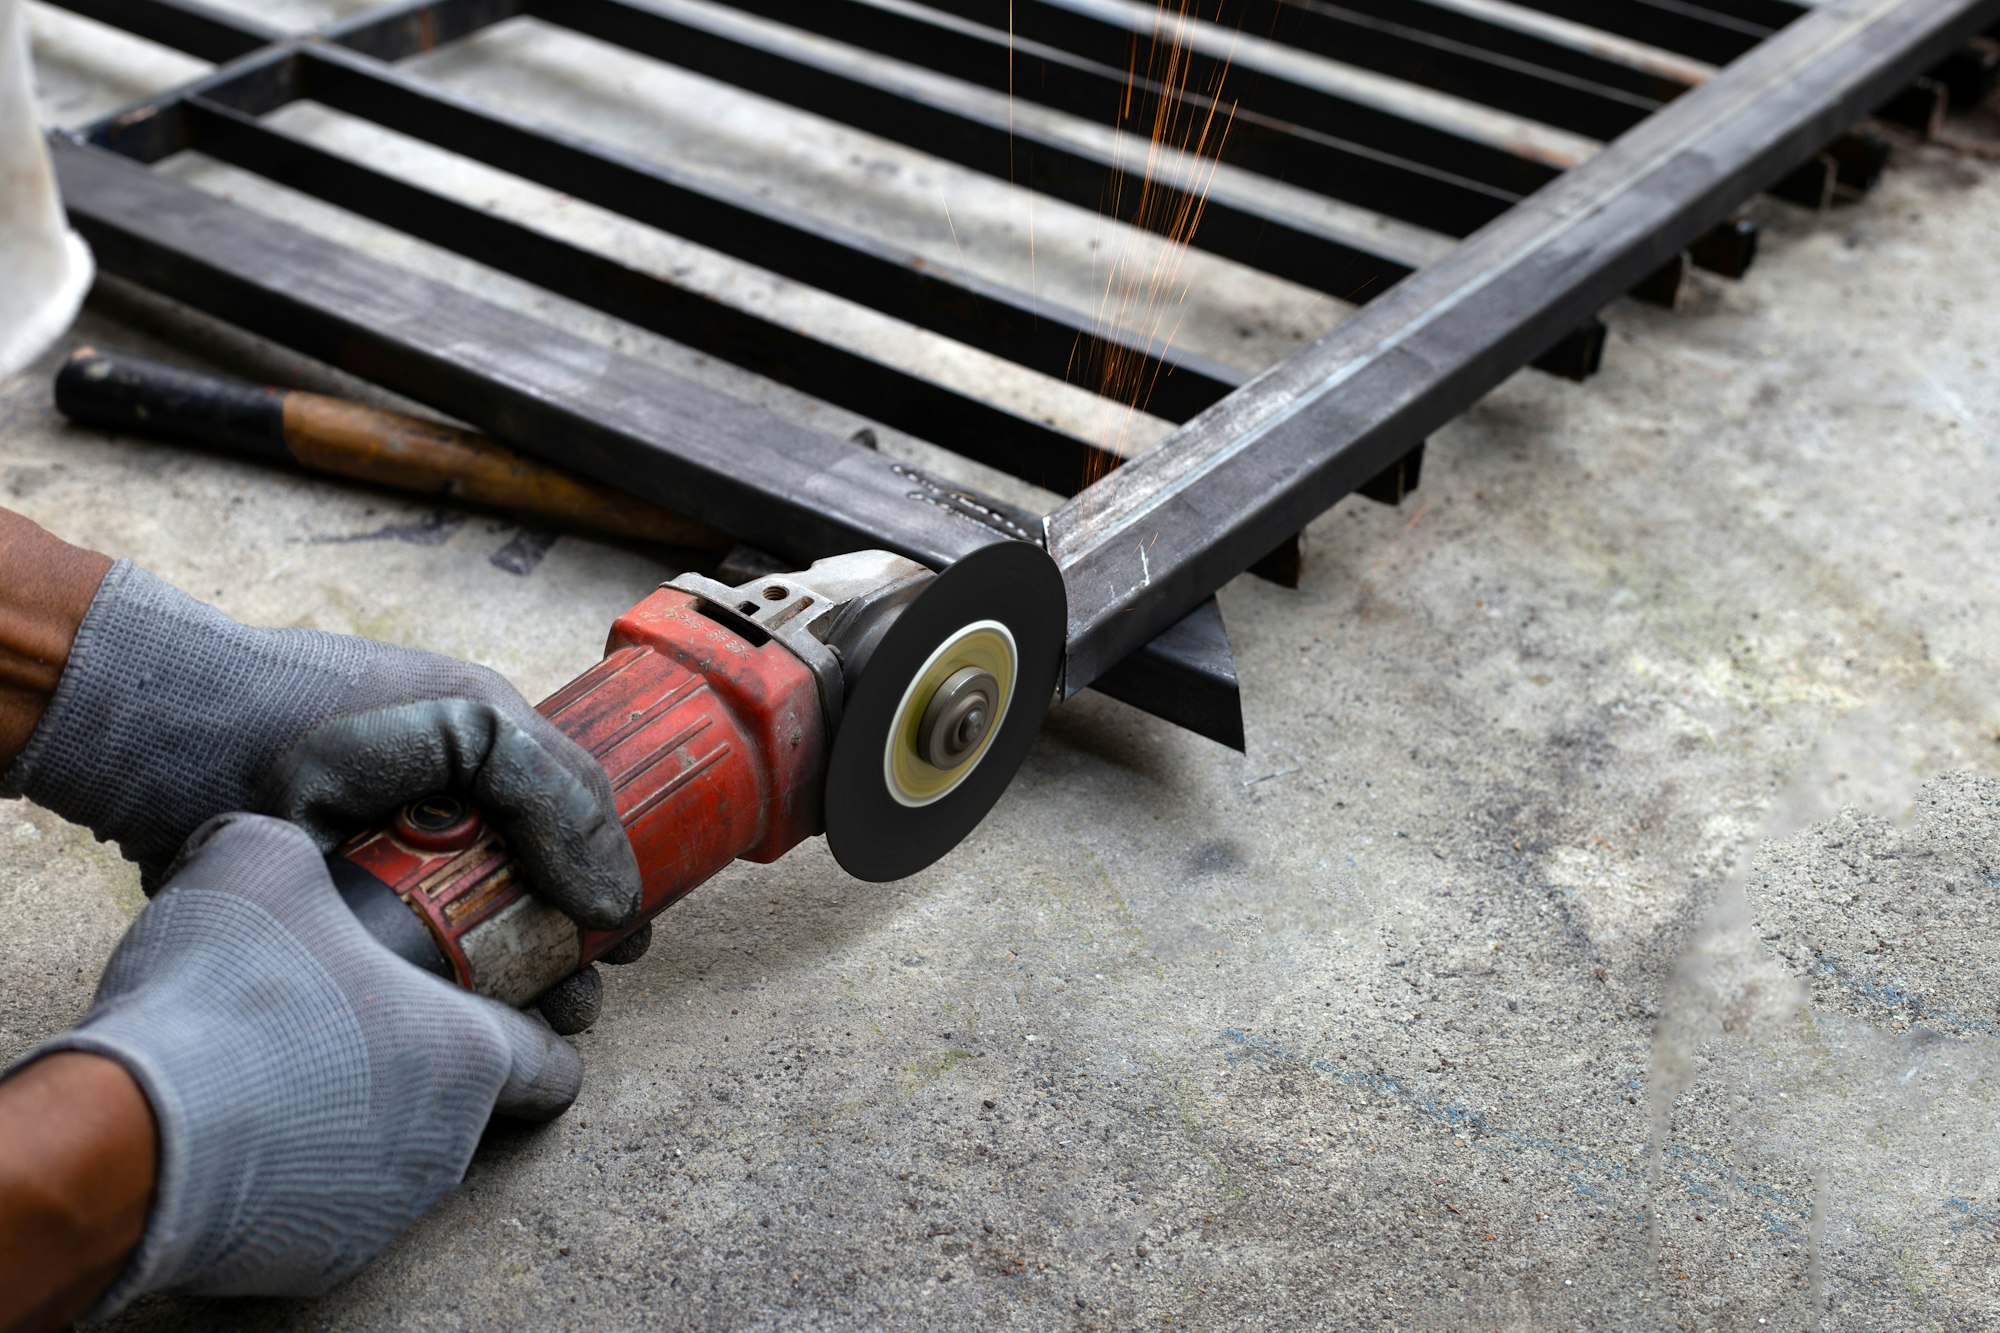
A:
{"x":1305,"y":250}
{"x":215,"y":35}
{"x":1108,"y":71}
{"x":681,"y":445}
{"x":1920,"y":107}
{"x":627,"y":422}
{"x":973,"y":133}
{"x":400,"y":31}
{"x":1591,"y":63}
{"x":1329,"y":31}
{"x":980,"y":430}
{"x":156,"y":129}
{"x":1038,"y":334}
{"x":263,"y":77}
{"x":815,"y":251}
{"x":1728,"y":249}
{"x":1170,"y":528}
{"x":1364,"y":41}
{"x":1671,"y":25}
{"x":1772,"y":14}
{"x":1968,"y":74}
{"x":1191,"y":671}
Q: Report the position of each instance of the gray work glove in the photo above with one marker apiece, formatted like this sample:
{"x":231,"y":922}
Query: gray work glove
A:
{"x":170,"y":713}
{"x":314,"y":1094}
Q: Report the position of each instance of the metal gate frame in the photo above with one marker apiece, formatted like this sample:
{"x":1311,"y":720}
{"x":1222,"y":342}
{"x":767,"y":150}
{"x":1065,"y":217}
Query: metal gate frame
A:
{"x":1143,"y":549}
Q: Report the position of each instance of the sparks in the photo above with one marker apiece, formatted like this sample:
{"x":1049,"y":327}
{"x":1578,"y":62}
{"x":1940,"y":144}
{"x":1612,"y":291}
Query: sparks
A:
{"x":1140,"y":293}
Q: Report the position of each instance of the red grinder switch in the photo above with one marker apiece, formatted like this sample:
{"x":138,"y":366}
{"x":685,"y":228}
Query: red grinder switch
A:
{"x":716,"y":747}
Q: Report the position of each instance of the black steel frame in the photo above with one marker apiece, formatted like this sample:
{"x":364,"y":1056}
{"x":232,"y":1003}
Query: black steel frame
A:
{"x":1253,"y":459}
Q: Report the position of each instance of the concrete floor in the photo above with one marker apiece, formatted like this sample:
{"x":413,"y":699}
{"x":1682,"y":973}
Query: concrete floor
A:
{"x":1536,"y":873}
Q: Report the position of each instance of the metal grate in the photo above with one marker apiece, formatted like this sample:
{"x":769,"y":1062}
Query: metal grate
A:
{"x":1468,"y":247}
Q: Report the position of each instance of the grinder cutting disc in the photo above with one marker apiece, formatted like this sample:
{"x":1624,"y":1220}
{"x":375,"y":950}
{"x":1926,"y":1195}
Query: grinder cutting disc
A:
{"x":943,"y":711}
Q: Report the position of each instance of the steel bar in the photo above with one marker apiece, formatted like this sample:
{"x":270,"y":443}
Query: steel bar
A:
{"x":1578,"y":58}
{"x":1379,"y":43}
{"x":1809,"y":184}
{"x":686,"y":447}
{"x":154,"y":129}
{"x":961,"y":126}
{"x":1038,"y":334}
{"x":1170,"y":528}
{"x":1503,"y":82}
{"x":1968,"y":74}
{"x":399,"y":31}
{"x":1106,"y":68}
{"x":1859,"y":158}
{"x":260,"y":76}
{"x":1665,"y":285}
{"x":214,"y":35}
{"x":1728,"y":249}
{"x":1304,"y":249}
{"x":1323,"y":28}
{"x":1008,"y":323}
{"x":812,"y":250}
{"x":1192,"y":672}
{"x":1567,"y":101}
{"x":1671,"y":25}
{"x":1285,"y":565}
{"x":1919,"y":107}
{"x":1772,"y":14}
{"x":683,"y":446}
{"x":985,"y":432}
{"x":1392,"y":484}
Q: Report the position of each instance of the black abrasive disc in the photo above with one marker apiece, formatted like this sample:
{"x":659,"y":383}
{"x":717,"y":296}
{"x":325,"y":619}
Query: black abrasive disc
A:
{"x":882,"y":826}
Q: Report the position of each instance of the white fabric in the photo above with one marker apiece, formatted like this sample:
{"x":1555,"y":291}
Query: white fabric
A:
{"x":45,"y":267}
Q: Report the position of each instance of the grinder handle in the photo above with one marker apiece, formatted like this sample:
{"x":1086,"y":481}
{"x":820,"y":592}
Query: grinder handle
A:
{"x":714,"y":747}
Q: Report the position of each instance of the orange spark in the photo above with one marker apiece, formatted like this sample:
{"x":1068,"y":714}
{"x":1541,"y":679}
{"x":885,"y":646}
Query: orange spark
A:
{"x":1141,"y":293}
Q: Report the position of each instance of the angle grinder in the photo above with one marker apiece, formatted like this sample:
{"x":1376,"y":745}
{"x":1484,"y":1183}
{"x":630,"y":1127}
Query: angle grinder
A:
{"x":866,"y":697}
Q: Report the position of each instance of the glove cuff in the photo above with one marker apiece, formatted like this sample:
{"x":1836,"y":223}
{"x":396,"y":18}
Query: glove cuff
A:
{"x":20,"y":778}
{"x":158,"y":720}
{"x":79,"y":761}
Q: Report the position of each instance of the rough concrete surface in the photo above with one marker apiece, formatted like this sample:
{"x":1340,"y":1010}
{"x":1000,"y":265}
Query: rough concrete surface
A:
{"x":1620,"y":727}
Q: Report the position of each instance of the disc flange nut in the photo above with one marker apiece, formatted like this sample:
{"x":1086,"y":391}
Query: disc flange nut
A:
{"x":958,"y":717}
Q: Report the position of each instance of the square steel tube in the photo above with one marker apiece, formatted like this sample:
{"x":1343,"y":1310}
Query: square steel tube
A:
{"x":1171,"y":527}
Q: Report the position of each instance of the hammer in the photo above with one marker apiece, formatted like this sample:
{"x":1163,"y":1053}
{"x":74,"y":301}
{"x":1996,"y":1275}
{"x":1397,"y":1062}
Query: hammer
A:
{"x":330,"y":435}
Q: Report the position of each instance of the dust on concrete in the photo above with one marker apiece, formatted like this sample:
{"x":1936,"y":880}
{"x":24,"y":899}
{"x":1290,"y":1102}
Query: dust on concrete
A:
{"x":1882,"y":1086}
{"x":1897,"y":926}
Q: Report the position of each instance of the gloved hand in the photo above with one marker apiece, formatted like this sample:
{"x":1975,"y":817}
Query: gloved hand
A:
{"x":314,"y":1095}
{"x":170,"y":713}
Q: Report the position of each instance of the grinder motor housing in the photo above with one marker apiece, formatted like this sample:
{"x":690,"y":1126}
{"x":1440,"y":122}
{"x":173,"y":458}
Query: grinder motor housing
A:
{"x":712,"y":712}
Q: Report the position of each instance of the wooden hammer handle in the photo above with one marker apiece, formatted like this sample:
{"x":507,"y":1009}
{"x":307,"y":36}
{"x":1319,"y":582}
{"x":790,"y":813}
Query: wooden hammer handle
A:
{"x":330,"y":435}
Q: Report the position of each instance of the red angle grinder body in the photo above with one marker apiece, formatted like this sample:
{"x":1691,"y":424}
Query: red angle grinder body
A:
{"x":718,"y":730}
{"x":716,"y":750}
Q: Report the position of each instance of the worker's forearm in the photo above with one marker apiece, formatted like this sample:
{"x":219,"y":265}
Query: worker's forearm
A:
{"x":77,"y":1159}
{"x":45,"y":588}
